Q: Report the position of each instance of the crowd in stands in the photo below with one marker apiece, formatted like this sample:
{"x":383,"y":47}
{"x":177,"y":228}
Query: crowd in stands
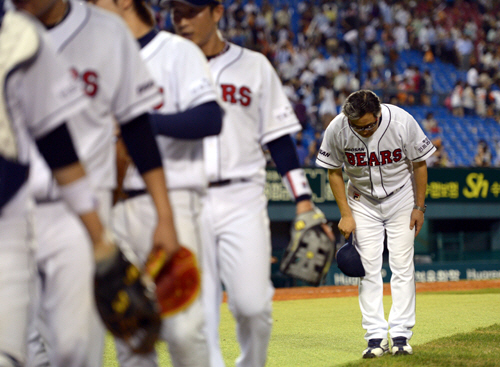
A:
{"x":310,"y":42}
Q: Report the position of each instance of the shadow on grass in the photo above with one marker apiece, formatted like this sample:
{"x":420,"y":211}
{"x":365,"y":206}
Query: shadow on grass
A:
{"x":479,"y":348}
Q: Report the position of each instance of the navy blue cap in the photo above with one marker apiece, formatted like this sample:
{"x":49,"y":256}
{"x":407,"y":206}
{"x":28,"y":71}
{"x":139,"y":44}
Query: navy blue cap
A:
{"x":197,"y":2}
{"x":349,"y":261}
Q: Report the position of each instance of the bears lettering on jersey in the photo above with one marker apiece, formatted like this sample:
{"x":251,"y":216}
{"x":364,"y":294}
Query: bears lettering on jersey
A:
{"x":234,"y":95}
{"x":385,"y":157}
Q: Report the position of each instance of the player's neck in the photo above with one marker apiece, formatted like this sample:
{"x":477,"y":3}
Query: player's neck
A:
{"x":137,"y":27}
{"x":214,"y":46}
{"x":56,"y":14}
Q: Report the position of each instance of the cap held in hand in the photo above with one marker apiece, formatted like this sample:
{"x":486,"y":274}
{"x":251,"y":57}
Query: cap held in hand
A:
{"x":349,"y":261}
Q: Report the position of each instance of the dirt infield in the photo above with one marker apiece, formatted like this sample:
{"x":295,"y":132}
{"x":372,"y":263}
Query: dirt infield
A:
{"x":284,"y":294}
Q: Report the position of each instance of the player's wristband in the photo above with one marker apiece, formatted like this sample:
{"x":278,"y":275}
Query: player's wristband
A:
{"x":297,"y":184}
{"x":79,"y":196}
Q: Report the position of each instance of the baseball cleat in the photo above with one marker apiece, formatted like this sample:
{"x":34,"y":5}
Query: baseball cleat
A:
{"x":400,"y":346}
{"x":376,"y":348}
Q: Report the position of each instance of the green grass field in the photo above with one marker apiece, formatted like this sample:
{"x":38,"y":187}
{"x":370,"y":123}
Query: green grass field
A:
{"x":327,"y":332}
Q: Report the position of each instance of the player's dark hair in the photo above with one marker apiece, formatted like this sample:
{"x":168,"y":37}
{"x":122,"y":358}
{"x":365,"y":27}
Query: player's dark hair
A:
{"x":144,"y":12}
{"x":360,"y":103}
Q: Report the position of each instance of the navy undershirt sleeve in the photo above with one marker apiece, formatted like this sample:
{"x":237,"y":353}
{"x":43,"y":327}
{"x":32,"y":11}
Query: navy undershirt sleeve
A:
{"x":57,"y":148}
{"x":285,"y":157}
{"x":284,"y":154}
{"x":194,"y":123}
{"x":141,"y":143}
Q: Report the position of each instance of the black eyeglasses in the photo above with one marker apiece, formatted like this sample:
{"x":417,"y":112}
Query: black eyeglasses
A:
{"x":365,"y":128}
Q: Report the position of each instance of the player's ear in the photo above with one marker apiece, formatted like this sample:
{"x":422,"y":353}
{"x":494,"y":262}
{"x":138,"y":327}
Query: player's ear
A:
{"x":217,"y":13}
{"x":126,"y":4}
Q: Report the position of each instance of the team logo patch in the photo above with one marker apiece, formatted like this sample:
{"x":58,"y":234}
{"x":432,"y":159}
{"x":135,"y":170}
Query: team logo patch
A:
{"x":356,"y":196}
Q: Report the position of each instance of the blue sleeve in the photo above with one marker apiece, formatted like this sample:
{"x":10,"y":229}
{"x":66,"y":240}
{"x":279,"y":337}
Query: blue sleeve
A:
{"x":284,"y":154}
{"x":285,"y":158}
{"x":57,"y":148}
{"x":141,"y":143}
{"x":194,"y":123}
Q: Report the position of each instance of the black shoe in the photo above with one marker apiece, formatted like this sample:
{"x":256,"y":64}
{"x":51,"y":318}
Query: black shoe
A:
{"x":400,"y":346}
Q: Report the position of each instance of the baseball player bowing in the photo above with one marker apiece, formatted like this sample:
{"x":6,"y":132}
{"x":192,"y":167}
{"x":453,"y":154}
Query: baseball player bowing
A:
{"x":383,"y":151}
{"x":190,"y":112}
{"x":105,"y":57}
{"x":38,"y":100}
{"x":236,"y":239}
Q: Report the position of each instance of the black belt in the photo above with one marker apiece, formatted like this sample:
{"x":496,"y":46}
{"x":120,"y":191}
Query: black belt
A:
{"x":227,"y":182}
{"x":395,"y":191}
{"x":47,"y":200}
{"x":129,"y":194}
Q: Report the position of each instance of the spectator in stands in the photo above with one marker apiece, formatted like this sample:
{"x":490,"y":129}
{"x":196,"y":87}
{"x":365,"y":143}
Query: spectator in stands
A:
{"x":350,"y":41}
{"x":283,"y":16}
{"x":456,"y":99}
{"x":301,"y":111}
{"x":307,"y":76}
{"x":341,"y":80}
{"x":327,"y":107}
{"x":465,"y":50}
{"x":483,"y":155}
{"x":481,"y":95}
{"x":391,"y":90}
{"x":430,"y":124}
{"x":468,"y":100}
{"x":428,"y":57}
{"x":374,"y":81}
{"x":439,"y":158}
{"x":401,"y":37}
{"x":428,"y":88}
{"x":335,"y":61}
{"x":302,"y":149}
{"x":473,"y":75}
{"x":319,"y":66}
{"x":377,"y":57}
{"x":310,"y":160}
{"x":497,"y":151}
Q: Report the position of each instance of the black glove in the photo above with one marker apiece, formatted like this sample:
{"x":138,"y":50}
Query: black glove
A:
{"x":126,"y":301}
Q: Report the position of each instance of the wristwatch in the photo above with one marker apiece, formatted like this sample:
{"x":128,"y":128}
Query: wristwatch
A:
{"x":422,"y":209}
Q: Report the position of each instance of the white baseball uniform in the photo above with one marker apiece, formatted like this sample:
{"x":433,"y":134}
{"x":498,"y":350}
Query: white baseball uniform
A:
{"x":380,"y":194}
{"x":40,"y":94}
{"x":236,"y":242}
{"x":105,"y":57}
{"x":180,"y":69}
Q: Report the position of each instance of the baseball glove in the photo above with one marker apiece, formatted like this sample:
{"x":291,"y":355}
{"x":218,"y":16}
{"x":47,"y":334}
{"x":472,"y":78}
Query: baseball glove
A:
{"x":126,"y":302}
{"x":177,"y":281}
{"x":310,"y":252}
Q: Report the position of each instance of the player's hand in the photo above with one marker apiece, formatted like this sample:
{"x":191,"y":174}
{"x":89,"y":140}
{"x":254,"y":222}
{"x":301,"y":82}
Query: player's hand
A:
{"x":165,"y":238}
{"x":347,"y":225}
{"x":305,"y":206}
{"x":416,"y":221}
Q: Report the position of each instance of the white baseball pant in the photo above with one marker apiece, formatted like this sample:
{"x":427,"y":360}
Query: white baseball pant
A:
{"x":373,"y":219}
{"x":67,"y":329}
{"x":134,"y":221}
{"x":237,"y":251}
{"x":16,"y":286}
